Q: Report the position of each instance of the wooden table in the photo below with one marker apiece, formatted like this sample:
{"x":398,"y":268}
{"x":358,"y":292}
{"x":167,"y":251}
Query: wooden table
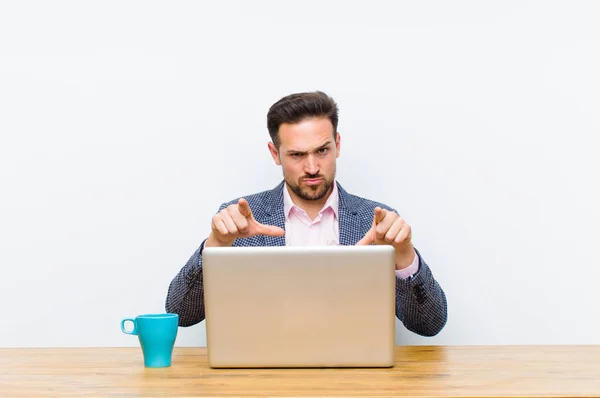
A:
{"x":496,"y":371}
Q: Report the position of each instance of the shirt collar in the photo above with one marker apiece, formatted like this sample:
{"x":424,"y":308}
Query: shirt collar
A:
{"x":332,"y":201}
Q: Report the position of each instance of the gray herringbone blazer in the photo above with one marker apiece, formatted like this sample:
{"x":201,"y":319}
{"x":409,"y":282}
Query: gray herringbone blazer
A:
{"x":420,"y":301}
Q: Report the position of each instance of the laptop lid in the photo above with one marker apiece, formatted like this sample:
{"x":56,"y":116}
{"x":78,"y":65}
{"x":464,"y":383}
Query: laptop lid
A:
{"x":326,"y":306}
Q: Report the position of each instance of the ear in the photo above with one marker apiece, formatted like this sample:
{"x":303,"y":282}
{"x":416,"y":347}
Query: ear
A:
{"x":274,"y":153}
{"x":337,"y":145}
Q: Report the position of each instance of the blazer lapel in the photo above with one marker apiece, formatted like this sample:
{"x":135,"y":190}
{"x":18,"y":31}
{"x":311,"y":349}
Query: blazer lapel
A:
{"x":274,"y":215}
{"x":349,"y":220}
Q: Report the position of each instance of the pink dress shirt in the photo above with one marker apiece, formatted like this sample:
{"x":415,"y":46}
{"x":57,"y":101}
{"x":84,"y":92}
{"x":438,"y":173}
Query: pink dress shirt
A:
{"x":300,"y":230}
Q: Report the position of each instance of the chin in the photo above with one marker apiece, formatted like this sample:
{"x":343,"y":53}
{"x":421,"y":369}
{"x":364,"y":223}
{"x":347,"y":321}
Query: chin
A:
{"x":315,"y":194}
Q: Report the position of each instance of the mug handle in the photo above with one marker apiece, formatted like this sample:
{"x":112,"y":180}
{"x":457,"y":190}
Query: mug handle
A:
{"x":133,"y":331}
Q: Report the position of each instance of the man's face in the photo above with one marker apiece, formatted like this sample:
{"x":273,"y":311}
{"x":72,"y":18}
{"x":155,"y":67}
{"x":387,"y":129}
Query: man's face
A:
{"x":307,"y":154}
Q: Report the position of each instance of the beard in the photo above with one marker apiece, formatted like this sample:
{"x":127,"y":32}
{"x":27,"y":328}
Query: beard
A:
{"x":310,"y":192}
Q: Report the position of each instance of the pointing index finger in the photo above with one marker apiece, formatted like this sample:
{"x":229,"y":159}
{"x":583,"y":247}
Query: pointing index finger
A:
{"x":379,"y":214}
{"x":244,"y":208}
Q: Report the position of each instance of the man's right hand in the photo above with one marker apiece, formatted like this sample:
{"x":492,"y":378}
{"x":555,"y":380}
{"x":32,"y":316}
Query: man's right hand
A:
{"x":237,"y":221}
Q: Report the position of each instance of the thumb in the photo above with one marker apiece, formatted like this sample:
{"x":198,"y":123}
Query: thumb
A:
{"x":269,"y":230}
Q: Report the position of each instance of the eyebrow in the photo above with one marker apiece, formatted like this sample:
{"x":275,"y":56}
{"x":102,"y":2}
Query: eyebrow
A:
{"x":290,"y":151}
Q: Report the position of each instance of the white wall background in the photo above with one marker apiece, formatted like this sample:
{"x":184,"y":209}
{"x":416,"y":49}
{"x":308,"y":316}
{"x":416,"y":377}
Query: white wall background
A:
{"x":125,"y":124}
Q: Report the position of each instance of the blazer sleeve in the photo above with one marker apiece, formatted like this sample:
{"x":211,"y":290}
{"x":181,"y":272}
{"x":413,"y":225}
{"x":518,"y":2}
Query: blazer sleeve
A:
{"x":420,"y":302}
{"x":186,"y":292}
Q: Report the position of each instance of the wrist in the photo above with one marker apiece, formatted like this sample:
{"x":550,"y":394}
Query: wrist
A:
{"x":405,"y":258}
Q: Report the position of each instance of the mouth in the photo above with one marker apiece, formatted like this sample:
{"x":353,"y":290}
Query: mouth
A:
{"x":312,"y":181}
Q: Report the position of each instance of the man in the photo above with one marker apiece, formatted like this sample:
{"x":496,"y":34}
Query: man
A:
{"x":310,"y":208}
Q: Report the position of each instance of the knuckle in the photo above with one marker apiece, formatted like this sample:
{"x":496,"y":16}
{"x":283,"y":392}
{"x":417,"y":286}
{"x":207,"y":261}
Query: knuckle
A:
{"x":232,"y":208}
{"x":239,"y":209}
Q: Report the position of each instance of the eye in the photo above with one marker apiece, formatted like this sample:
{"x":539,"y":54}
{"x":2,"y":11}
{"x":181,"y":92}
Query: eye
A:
{"x":322,"y":151}
{"x":297,"y":154}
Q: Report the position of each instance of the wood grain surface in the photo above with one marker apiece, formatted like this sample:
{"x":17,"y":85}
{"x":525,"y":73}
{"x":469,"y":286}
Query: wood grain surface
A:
{"x":420,"y":371}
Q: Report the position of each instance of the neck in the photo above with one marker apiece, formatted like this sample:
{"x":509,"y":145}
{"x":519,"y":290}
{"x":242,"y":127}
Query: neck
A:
{"x":311,"y":207}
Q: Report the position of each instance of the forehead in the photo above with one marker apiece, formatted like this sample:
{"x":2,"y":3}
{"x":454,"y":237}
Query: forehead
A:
{"x":306,"y":134}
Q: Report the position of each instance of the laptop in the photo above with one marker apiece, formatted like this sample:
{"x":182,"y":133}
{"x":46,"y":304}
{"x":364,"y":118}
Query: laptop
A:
{"x":283,"y":306}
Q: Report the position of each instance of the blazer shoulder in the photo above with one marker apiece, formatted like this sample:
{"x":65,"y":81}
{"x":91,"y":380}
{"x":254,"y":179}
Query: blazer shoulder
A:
{"x":259,"y":201}
{"x":253,"y":199}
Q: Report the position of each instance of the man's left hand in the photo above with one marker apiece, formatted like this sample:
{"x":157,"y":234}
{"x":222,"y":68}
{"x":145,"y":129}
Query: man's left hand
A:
{"x":390,"y":229}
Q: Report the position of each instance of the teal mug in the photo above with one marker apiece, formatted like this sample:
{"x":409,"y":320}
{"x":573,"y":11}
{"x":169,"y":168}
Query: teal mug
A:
{"x":156,"y":333}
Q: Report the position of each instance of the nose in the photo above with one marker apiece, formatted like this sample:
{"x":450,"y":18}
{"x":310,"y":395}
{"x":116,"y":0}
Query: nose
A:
{"x":311,"y":165}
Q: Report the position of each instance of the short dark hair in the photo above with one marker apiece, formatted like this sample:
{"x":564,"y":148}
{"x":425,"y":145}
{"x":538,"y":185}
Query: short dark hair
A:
{"x":294,"y":108}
